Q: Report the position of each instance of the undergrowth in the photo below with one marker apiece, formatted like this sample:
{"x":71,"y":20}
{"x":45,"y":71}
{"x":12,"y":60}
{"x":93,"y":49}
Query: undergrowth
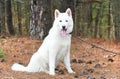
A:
{"x":1,"y":53}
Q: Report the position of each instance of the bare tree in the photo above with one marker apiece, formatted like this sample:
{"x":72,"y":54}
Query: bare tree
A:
{"x":116,"y":17}
{"x":9,"y":17}
{"x":111,"y":27}
{"x":40,"y":21}
{"x":2,"y":16}
{"x":19,"y":17}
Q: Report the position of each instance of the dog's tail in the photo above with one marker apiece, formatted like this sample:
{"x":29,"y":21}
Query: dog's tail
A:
{"x":18,"y":67}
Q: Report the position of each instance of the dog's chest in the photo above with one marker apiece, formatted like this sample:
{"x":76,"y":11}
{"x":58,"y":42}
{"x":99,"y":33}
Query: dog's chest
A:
{"x":63,"y":50}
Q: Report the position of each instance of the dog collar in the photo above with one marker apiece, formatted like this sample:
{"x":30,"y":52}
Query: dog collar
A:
{"x":71,"y":33}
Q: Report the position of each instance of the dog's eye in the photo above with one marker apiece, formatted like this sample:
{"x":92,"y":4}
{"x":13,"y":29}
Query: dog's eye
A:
{"x":60,"y":21}
{"x":66,"y":20}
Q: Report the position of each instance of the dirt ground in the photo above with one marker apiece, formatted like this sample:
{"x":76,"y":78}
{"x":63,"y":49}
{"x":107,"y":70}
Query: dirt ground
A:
{"x":88,"y":62}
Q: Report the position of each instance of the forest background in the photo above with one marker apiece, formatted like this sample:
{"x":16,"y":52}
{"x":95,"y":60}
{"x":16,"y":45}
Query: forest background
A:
{"x":92,"y":18}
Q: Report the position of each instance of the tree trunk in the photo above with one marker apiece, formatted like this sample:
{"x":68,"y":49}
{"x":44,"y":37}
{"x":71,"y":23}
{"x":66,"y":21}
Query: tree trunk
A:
{"x":40,"y":21}
{"x":2,"y":16}
{"x":19,"y":17}
{"x":111,"y":27}
{"x":90,"y":18}
{"x":96,"y":32}
{"x":116,"y":18}
{"x":77,"y":22}
{"x":27,"y":16}
{"x":9,"y":17}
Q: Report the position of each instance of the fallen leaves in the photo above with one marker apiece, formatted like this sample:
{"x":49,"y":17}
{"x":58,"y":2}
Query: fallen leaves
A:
{"x":87,"y":62}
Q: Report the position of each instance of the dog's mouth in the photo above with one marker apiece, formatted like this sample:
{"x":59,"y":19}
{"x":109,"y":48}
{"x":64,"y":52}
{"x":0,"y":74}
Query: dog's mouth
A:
{"x":63,"y":32}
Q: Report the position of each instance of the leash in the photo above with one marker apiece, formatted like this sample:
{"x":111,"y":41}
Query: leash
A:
{"x":96,"y":46}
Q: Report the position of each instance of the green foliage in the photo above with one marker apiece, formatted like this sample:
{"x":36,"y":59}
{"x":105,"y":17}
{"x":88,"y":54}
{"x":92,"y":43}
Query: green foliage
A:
{"x":1,"y":53}
{"x":93,"y":19}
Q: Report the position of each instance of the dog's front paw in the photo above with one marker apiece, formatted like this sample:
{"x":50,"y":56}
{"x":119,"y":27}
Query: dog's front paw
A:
{"x":71,"y":71}
{"x":51,"y":73}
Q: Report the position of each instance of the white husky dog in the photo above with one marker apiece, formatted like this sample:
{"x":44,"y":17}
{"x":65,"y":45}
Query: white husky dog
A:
{"x":55,"y":47}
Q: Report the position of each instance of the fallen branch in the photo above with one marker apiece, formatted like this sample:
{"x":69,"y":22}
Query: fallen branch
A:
{"x":96,"y":46}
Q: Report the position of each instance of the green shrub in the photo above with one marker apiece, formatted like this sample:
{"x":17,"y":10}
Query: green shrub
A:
{"x":1,"y":53}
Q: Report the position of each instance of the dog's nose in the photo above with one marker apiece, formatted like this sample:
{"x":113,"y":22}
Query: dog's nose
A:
{"x":63,"y":27}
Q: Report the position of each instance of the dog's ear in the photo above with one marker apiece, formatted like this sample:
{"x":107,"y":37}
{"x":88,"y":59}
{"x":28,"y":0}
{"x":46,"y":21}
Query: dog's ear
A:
{"x":68,"y":11}
{"x":57,"y":13}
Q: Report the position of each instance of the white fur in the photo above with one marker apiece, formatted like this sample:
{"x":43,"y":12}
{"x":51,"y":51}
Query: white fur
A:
{"x":54,"y":48}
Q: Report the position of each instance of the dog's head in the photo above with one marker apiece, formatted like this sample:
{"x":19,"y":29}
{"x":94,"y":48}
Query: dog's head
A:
{"x":64,"y":21}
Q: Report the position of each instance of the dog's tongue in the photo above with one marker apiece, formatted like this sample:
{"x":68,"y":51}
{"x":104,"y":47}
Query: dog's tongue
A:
{"x":63,"y":32}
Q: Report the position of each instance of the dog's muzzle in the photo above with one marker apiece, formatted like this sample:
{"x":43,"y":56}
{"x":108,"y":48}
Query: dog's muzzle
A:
{"x":63,"y":31}
{"x":64,"y":28}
